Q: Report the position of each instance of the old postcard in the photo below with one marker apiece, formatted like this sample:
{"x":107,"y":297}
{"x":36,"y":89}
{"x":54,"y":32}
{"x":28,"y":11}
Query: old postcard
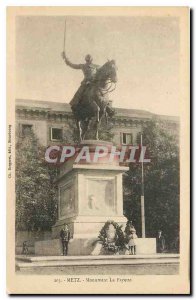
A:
{"x":98,"y":150}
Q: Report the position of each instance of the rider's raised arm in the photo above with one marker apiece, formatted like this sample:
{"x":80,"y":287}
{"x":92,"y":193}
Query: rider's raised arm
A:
{"x":70,"y":64}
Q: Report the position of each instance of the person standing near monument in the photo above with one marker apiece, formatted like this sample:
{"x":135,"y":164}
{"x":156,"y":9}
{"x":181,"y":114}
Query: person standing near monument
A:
{"x":65,"y":237}
{"x":160,"y":242}
{"x":131,"y":238}
{"x":89,"y":70}
{"x":132,"y":242}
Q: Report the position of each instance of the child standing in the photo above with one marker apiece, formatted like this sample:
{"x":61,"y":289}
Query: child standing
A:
{"x":132,"y":242}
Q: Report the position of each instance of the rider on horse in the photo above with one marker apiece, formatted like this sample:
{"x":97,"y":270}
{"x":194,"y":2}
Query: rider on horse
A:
{"x":89,"y":70}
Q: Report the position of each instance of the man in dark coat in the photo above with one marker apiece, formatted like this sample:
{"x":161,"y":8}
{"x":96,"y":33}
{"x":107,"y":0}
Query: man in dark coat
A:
{"x":65,"y":237}
{"x":160,"y":242}
{"x":89,"y":70}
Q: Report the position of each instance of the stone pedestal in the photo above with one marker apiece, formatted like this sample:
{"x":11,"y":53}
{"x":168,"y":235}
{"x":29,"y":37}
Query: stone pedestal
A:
{"x":89,"y":195}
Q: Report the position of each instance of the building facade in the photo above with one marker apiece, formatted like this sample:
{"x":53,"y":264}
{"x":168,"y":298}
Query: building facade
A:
{"x":52,"y":122}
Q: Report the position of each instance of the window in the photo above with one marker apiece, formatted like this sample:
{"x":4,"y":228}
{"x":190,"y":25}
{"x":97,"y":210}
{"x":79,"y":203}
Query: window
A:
{"x":56,"y":134}
{"x":127,"y":138}
{"x":26,"y":129}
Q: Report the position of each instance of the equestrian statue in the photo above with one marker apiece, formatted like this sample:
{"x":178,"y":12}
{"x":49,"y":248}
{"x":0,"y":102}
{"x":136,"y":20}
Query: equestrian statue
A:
{"x":91,"y":99}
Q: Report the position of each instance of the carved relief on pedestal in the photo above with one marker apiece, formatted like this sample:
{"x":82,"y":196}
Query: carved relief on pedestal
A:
{"x":100,"y":197}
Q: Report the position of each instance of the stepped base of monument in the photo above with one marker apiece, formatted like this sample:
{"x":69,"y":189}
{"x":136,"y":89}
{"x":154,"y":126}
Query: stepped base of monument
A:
{"x":89,"y":246}
{"x":156,"y":264}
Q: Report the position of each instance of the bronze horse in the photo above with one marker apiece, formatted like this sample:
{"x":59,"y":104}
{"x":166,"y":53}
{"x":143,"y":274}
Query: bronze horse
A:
{"x":94,"y":100}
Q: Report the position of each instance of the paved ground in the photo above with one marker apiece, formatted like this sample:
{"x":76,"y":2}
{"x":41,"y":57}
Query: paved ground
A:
{"x":112,"y":265}
{"x":103,"y":270}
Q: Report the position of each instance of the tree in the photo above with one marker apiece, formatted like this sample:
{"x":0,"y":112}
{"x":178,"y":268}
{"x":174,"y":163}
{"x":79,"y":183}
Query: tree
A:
{"x":36,"y":197}
{"x":161,"y":184}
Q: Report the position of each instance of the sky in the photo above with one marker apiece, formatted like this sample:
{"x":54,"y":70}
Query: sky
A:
{"x":146,"y":51}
